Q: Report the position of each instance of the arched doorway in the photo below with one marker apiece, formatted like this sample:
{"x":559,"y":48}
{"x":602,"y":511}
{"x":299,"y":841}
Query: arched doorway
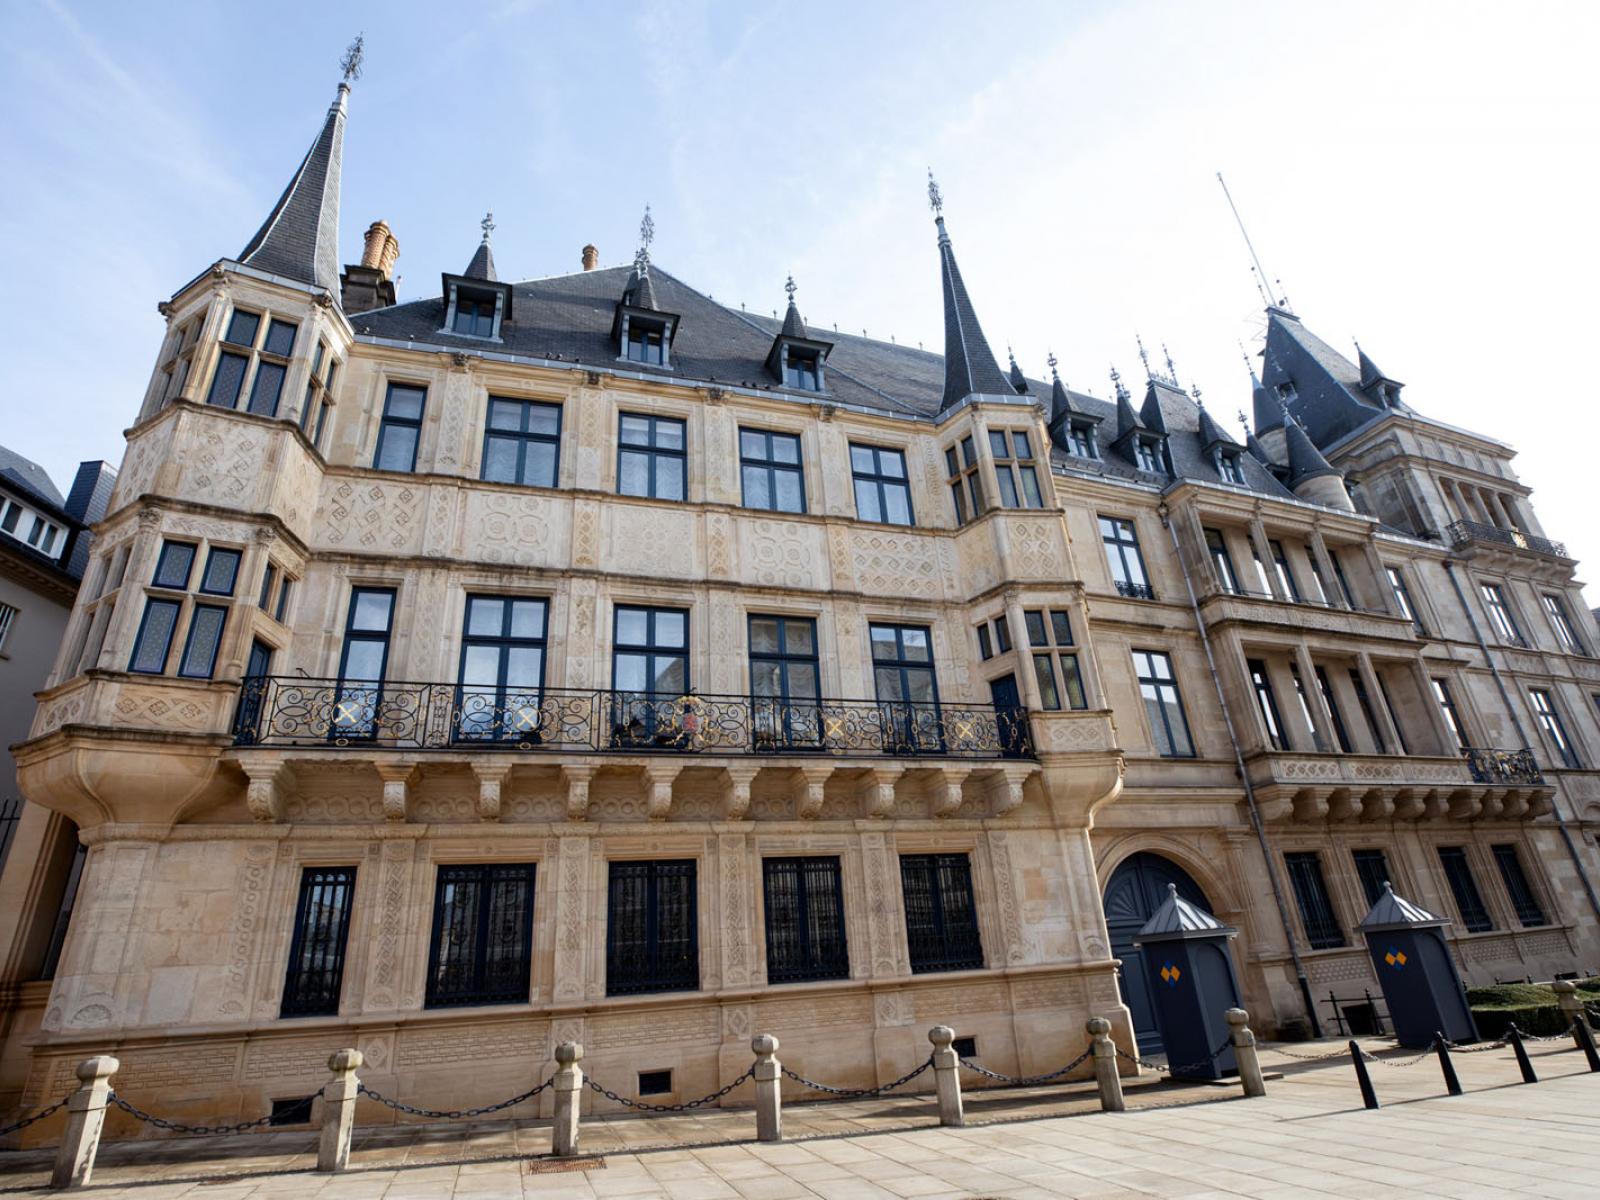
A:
{"x":1135,"y":890}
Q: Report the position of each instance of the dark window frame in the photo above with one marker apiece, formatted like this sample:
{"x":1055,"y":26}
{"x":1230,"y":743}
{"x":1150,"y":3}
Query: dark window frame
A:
{"x":1167,"y":745}
{"x":1501,"y":618}
{"x":1015,"y":468}
{"x":771,"y":466}
{"x":1119,"y":535}
{"x":1452,"y":715}
{"x":653,"y":454}
{"x":653,"y":974}
{"x":1464,"y":890}
{"x":942,"y":933}
{"x":370,"y":690}
{"x":1267,"y":705}
{"x":475,"y":990}
{"x":820,"y":939}
{"x":963,"y":473}
{"x":152,"y":603}
{"x":324,"y":1002}
{"x":524,"y":437}
{"x":1319,"y":919}
{"x":504,"y":642}
{"x":215,"y":556}
{"x":1372,"y":871}
{"x":389,"y":424}
{"x":1331,"y":702}
{"x":881,"y":483}
{"x":1222,"y":561}
{"x":1519,"y":888}
{"x":169,"y":546}
{"x":188,"y":670}
{"x":787,"y":718}
{"x":1548,"y":715}
{"x":1402,"y":597}
{"x":1555,"y":609}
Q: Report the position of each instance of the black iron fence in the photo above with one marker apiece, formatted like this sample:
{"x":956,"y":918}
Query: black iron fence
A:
{"x":286,"y":711}
{"x":1462,"y":533}
{"x":1503,"y":766}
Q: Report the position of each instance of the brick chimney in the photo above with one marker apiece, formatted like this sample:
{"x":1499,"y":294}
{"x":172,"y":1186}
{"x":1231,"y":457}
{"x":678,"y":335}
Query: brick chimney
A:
{"x":370,"y":283}
{"x":591,"y":257}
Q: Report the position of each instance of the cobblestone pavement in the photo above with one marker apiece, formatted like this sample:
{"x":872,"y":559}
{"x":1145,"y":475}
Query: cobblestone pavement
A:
{"x":1308,"y":1137}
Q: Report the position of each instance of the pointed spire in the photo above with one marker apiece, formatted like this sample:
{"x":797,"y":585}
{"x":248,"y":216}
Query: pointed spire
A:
{"x":1172,"y":369}
{"x":1372,"y":378}
{"x":1018,"y":380}
{"x":1210,"y":432}
{"x":793,"y":326}
{"x":1060,"y":401}
{"x":1144,"y":357}
{"x":1269,"y":412}
{"x":300,"y":237}
{"x":969,"y":365}
{"x":482,"y":264}
{"x":1150,"y":411}
{"x":1127,"y":420}
{"x":1253,"y":443}
{"x":1305,"y":460}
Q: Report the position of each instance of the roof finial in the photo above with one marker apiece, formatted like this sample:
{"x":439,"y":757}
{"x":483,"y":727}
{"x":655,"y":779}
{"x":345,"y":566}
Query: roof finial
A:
{"x":350,"y":64}
{"x":1012,"y":355}
{"x":647,"y":234}
{"x":487,"y":225}
{"x":935,"y":199}
{"x":1172,"y":370}
{"x":1195,"y":392}
{"x":790,"y":287}
{"x":1116,"y":381}
{"x":1143,"y":356}
{"x":1051,"y":363}
{"x":1244,"y":422}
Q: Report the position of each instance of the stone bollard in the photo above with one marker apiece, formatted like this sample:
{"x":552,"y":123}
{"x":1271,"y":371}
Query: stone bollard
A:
{"x":86,"y":1117}
{"x":947,"y":1075}
{"x":1244,"y":1052}
{"x":768,"y":1073}
{"x":1105,"y":1065}
{"x":568,"y":1083}
{"x":339,"y":1111}
{"x":1567,"y":997}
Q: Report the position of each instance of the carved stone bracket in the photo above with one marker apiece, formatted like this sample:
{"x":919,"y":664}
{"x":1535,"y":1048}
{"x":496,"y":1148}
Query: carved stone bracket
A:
{"x":491,"y":779}
{"x":577,"y":777}
{"x":813,"y":779}
{"x":739,"y":780}
{"x":947,"y":789}
{"x":1463,"y":806}
{"x":658,"y":778}
{"x":267,"y":792}
{"x":880,"y":790}
{"x":1007,"y":787}
{"x":398,"y":778}
{"x":1310,"y":807}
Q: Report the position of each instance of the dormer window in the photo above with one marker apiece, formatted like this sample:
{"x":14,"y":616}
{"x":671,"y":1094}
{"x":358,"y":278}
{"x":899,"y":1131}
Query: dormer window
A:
{"x":474,"y":317}
{"x":646,"y":342}
{"x":800,"y":370}
{"x":1229,"y":466}
{"x":1147,"y":455}
{"x":1286,"y":391}
{"x":1082,"y":439}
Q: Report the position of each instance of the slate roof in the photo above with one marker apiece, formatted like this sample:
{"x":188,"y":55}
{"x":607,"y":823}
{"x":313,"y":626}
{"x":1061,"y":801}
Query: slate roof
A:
{"x":300,"y":237}
{"x":969,"y":365}
{"x":1395,"y":912}
{"x":30,"y":479}
{"x":1328,"y":402}
{"x":482,"y":264}
{"x":568,"y":318}
{"x":1305,"y":460}
{"x":1177,"y":918}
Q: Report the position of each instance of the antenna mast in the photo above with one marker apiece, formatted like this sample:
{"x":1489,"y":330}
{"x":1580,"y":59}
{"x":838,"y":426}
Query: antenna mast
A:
{"x":1260,"y":271}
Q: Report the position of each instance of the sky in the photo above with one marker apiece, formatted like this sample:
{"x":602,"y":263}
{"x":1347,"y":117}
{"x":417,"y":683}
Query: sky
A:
{"x":1421,"y":176}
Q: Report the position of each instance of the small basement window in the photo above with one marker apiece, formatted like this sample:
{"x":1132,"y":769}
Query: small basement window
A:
{"x":965,"y":1047}
{"x":291,"y":1112}
{"x":655,"y":1083}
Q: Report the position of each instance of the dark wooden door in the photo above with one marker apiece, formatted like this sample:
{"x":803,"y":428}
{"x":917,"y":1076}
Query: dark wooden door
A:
{"x":1135,"y":890}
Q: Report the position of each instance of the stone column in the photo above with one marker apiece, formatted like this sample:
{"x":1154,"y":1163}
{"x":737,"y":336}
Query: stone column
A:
{"x":1441,"y":727}
{"x":1317,"y":551}
{"x":205,"y":348}
{"x":567,"y":1085}
{"x":1321,"y":722}
{"x":1027,"y":683}
{"x":1244,"y":1052}
{"x":339,"y":1111}
{"x":1105,"y":1065}
{"x":86,"y":1117}
{"x":572,"y":895}
{"x":1369,"y":679}
{"x":1380,"y":578}
{"x":768,"y":1073}
{"x":947,"y":1075}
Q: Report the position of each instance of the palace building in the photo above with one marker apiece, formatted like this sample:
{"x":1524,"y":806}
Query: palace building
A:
{"x":580,"y":658}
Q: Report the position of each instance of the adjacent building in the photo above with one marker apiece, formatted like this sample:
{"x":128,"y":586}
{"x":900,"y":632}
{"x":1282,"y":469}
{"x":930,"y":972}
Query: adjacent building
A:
{"x":580,"y":658}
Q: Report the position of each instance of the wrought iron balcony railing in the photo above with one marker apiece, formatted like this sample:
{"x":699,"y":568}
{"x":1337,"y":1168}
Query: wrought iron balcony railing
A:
{"x":286,"y":711}
{"x":1135,"y":591}
{"x":1462,"y":533}
{"x":1503,"y":766}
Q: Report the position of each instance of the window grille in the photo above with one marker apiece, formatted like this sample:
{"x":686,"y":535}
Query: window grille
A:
{"x":316,"y":952}
{"x":941,"y":917}
{"x":652,"y":943}
{"x":482,"y":935}
{"x":1372,"y":868}
{"x":1311,"y":895}
{"x":805,"y":920}
{"x":1524,"y":902}
{"x":1469,"y":901}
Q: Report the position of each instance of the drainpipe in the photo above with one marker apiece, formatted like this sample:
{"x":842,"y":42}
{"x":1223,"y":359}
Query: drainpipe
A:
{"x":1505,"y":697}
{"x":1244,"y":777}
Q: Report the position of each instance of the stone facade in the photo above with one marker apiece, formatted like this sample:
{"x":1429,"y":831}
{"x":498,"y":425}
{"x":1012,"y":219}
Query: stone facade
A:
{"x":205,"y":797}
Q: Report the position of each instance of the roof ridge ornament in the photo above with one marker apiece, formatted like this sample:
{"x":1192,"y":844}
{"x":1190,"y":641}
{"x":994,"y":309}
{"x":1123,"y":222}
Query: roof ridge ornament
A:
{"x":1144,"y":356}
{"x":354,"y":54}
{"x":1172,"y":370}
{"x":935,"y":197}
{"x":647,"y":234}
{"x":1050,"y":361}
{"x":487,"y":224}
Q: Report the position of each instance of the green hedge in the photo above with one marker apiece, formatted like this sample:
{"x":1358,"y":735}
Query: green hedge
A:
{"x":1532,"y":1006}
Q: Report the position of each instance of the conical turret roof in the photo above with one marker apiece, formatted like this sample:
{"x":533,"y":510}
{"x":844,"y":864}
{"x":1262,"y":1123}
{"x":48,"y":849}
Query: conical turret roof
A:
{"x":969,"y":365}
{"x":1305,"y":460}
{"x":482,"y":264}
{"x":1019,"y":381}
{"x":300,"y":237}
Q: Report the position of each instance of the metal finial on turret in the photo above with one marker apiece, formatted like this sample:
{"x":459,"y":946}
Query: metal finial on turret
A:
{"x":1172,"y":369}
{"x":647,"y":234}
{"x":1244,"y":421}
{"x":487,"y":225}
{"x":1051,"y":363}
{"x":1144,"y":356}
{"x":350,"y":64}
{"x":935,"y":198}
{"x":1195,"y":392}
{"x":790,"y":288}
{"x":1116,"y":381}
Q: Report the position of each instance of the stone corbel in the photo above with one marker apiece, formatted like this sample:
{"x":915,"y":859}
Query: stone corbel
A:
{"x":1408,"y":806}
{"x":738,"y":780}
{"x":1514,"y":806}
{"x":1463,"y":806}
{"x":1493,"y":807}
{"x":397,"y":778}
{"x":948,"y":795}
{"x":1343,"y":805}
{"x":491,"y":779}
{"x":576,"y":777}
{"x":268,"y":789}
{"x":658,"y":778}
{"x":812,"y":779}
{"x":880,"y":790}
{"x":1539,"y":805}
{"x":1375,"y":806}
{"x":1310,"y":806}
{"x":1006,"y":790}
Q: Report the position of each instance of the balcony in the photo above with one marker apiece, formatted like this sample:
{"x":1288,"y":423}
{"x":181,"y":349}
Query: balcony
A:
{"x":1242,"y":606}
{"x":1462,"y":534}
{"x":1482,"y":784}
{"x":330,"y":714}
{"x":1135,"y":591}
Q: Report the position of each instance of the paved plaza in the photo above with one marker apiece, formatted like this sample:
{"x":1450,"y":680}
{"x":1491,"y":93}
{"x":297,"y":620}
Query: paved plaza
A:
{"x":1308,"y":1137}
